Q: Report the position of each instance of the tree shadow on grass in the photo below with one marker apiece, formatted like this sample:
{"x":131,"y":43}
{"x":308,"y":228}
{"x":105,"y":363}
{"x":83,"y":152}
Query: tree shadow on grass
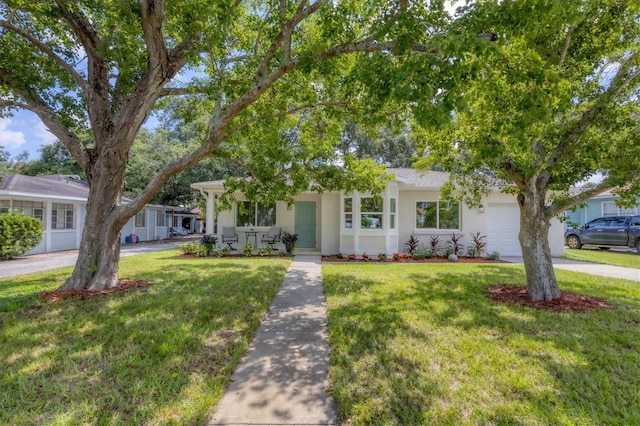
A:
{"x":536,"y":366}
{"x":148,"y":356}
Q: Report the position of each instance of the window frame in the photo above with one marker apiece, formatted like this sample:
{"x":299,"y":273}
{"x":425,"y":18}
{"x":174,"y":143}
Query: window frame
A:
{"x":438,"y":209}
{"x":258,"y":209}
{"x":39,"y":206}
{"x":161,"y":214}
{"x":393,"y":211}
{"x":141,"y":214}
{"x":61,"y":211}
{"x":378,"y":201}
{"x":347,"y":212}
{"x":619,"y":211}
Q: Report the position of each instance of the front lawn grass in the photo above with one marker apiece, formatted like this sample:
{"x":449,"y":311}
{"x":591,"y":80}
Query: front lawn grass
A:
{"x":421,"y":344}
{"x":628,"y":259}
{"x":163,"y":354}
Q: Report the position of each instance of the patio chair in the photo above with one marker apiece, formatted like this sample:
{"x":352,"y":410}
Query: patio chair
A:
{"x":272,"y":237}
{"x":229,"y":236}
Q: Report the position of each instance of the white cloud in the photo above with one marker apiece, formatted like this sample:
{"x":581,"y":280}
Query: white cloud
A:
{"x":43,"y":134}
{"x":10,"y":139}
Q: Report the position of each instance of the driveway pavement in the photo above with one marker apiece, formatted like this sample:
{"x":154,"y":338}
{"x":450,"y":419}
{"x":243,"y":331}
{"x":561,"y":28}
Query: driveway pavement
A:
{"x":44,"y":262}
{"x":602,"y":270}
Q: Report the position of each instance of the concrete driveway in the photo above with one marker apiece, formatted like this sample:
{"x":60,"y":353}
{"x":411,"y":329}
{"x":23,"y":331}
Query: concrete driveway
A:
{"x":602,"y":270}
{"x":44,"y":262}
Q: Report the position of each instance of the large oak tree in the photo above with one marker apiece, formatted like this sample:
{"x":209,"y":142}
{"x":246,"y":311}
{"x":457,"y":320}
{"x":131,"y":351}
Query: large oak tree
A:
{"x":554,"y":101}
{"x":100,"y":67}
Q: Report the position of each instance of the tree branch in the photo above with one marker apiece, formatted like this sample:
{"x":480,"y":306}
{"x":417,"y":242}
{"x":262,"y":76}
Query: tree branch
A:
{"x":300,"y":15}
{"x":79,"y":79}
{"x":567,"y":43}
{"x":555,"y":209}
{"x":179,"y":91}
{"x":285,"y":113}
{"x":97,"y":89}
{"x":152,"y":12}
{"x":589,"y":116}
{"x":15,"y":104}
{"x":50,"y":118}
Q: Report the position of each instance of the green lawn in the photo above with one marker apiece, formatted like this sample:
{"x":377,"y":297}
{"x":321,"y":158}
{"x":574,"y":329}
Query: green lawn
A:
{"x":421,"y":344}
{"x":629,"y":259}
{"x":159,"y":355}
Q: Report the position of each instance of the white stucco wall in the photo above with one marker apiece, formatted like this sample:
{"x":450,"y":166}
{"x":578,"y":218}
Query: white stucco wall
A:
{"x":330,"y":223}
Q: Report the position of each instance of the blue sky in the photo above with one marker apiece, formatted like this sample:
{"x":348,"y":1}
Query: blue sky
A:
{"x":24,"y":132}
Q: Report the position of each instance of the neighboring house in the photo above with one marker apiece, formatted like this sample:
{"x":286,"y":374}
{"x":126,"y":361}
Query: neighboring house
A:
{"x":336,"y":222}
{"x":60,"y":202}
{"x":600,"y":206}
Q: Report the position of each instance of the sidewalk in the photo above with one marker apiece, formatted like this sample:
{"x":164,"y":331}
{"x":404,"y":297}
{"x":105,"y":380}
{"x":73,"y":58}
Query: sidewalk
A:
{"x":602,"y":270}
{"x":46,"y":261}
{"x":283,"y":379}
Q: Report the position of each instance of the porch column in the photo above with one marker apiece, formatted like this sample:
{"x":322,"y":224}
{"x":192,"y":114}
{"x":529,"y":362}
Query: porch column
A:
{"x":210,"y":213}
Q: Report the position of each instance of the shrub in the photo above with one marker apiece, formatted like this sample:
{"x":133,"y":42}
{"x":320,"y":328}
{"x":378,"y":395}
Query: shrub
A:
{"x":351,"y":256}
{"x":247,"y":249}
{"x":209,"y":241}
{"x":400,"y":256}
{"x":340,"y":256}
{"x":456,"y":244}
{"x":223,"y":251}
{"x":382,"y":257}
{"x":202,"y":250}
{"x":479,"y":245}
{"x":412,"y":244}
{"x":19,"y":233}
{"x":471,"y":251}
{"x":448,"y":252}
{"x":422,"y":253}
{"x":434,"y":241}
{"x":493,"y":255}
{"x":265,"y":250}
{"x":366,"y":257}
{"x":189,"y":248}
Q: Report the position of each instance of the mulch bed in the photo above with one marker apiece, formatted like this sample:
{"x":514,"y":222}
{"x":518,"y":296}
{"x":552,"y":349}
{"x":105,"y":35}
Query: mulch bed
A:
{"x":123,"y":287}
{"x":568,"y":301}
{"x":411,"y":260}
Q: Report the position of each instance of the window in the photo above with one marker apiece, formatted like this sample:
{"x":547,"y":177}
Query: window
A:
{"x":616,"y":222}
{"x":255,"y":214}
{"x":597,"y":222}
{"x":392,"y":213}
{"x":62,"y":216}
{"x":609,"y":208}
{"x":348,"y":213}
{"x":437,"y":215}
{"x":371,"y":213}
{"x":30,"y":208}
{"x":160,"y":218}
{"x":141,"y":219}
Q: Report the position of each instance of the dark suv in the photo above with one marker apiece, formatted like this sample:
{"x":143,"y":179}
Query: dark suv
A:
{"x":605,"y":232}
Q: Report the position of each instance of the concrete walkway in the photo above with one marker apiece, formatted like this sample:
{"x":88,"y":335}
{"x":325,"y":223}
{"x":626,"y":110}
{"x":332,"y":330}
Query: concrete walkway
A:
{"x":602,"y":270}
{"x":283,"y":379}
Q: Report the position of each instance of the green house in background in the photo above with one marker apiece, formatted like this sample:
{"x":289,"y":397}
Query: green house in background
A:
{"x":600,"y":206}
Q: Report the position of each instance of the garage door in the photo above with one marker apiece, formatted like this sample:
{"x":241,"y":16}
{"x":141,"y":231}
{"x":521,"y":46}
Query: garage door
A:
{"x":503,"y":228}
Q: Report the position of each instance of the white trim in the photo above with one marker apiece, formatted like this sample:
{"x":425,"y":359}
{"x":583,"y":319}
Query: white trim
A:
{"x":436,"y":230}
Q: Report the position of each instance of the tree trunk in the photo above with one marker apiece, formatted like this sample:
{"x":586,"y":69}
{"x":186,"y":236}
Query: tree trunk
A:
{"x":97,"y":264}
{"x":534,"y":240}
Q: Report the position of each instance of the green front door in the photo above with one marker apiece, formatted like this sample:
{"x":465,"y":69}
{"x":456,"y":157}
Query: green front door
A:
{"x":306,"y":224}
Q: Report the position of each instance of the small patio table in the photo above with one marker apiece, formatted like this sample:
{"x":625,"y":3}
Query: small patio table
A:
{"x":252,"y":233}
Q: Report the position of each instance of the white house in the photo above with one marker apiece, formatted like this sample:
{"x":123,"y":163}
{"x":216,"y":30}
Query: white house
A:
{"x":60,"y":202}
{"x":337,"y":222}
